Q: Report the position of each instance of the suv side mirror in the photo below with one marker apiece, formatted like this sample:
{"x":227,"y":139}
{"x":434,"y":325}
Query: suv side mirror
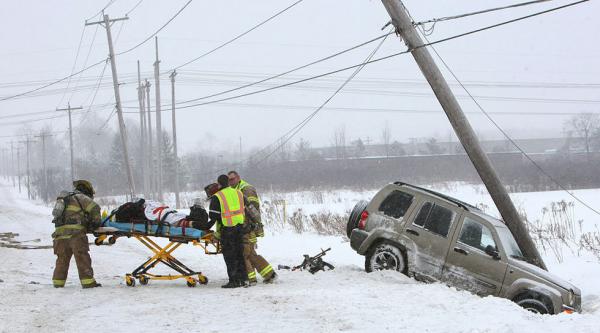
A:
{"x":492,"y":252}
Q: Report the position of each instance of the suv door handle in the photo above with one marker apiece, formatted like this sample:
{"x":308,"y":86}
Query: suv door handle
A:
{"x":410,"y":231}
{"x":461,"y":251}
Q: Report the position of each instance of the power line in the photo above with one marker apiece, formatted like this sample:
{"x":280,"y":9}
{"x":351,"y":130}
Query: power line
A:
{"x":51,"y":83}
{"x":290,"y":134}
{"x":102,"y":10}
{"x":287,"y":72}
{"x":74,"y":64}
{"x":236,"y":37}
{"x":387,"y":57}
{"x":87,"y":57}
{"x":447,"y":18}
{"x":134,"y":7}
{"x":540,"y":169}
{"x":157,"y":31}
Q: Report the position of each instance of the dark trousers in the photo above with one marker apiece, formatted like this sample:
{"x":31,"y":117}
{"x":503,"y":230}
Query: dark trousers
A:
{"x":233,"y":252}
{"x":76,"y":246}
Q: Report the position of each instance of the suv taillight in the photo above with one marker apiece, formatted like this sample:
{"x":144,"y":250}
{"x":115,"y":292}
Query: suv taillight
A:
{"x":363,"y":220}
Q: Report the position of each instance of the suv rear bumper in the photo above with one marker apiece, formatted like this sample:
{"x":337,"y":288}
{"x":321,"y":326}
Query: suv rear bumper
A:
{"x":357,"y":238}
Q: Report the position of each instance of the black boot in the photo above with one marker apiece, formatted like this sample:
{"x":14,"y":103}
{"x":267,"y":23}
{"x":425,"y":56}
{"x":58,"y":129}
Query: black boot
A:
{"x":231,"y":284}
{"x":92,"y":285}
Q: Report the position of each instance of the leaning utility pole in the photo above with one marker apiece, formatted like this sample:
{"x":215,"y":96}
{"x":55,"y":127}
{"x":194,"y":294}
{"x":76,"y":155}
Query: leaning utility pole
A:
{"x":43,"y":136}
{"x":404,"y":26}
{"x":69,"y":109}
{"x":113,"y":65}
{"x":159,"y":137}
{"x":27,"y":142}
{"x":172,"y":76}
{"x":141,"y":93}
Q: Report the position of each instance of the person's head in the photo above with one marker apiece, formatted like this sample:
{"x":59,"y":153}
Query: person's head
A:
{"x":223,"y":181}
{"x":234,"y":178}
{"x":84,"y":187}
{"x":211,"y":189}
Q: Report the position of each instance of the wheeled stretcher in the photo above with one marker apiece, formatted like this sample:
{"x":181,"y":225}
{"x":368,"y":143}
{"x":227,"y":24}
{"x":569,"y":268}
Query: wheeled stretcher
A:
{"x":111,"y":231}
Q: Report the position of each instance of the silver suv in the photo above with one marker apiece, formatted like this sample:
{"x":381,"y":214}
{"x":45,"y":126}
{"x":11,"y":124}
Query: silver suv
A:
{"x":433,"y":237}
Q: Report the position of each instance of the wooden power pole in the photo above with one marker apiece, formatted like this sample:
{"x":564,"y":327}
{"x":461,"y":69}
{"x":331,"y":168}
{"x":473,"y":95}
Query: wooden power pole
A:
{"x":174,"y":121}
{"x":404,"y":26}
{"x":69,"y":109}
{"x":159,"y":138}
{"x":151,"y":178}
{"x":113,"y":65}
{"x":141,"y":100}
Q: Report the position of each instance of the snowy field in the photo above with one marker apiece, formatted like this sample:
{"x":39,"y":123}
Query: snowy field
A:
{"x":345,"y":299}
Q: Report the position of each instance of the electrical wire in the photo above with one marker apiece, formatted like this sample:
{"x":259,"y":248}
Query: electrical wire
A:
{"x":102,"y":10}
{"x":87,"y":58}
{"x":388,"y":56}
{"x":74,"y":64}
{"x":284,"y":139}
{"x":134,"y":7}
{"x":157,"y":31}
{"x":51,"y":83}
{"x":447,"y":18}
{"x":289,"y":71}
{"x":505,"y":134}
{"x":237,"y":37}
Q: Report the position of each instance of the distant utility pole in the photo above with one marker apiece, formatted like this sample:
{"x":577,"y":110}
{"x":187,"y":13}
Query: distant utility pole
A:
{"x":113,"y":65}
{"x":43,"y":136}
{"x":173,"y":120}
{"x":69,"y":109}
{"x":404,"y":26}
{"x":27,"y":142}
{"x":19,"y":166}
{"x":141,"y":93}
{"x":151,"y":173}
{"x":159,"y":138}
{"x":12,"y":162}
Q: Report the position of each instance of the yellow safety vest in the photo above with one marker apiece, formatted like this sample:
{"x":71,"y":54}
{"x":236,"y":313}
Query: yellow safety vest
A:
{"x":232,"y":206}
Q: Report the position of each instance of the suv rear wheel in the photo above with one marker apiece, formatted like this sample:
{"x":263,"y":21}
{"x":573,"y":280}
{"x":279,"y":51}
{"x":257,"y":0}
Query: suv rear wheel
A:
{"x":385,"y":256}
{"x":355,"y":216}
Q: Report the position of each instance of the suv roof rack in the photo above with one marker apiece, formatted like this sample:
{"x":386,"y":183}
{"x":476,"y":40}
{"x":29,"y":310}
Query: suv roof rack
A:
{"x":459,"y":203}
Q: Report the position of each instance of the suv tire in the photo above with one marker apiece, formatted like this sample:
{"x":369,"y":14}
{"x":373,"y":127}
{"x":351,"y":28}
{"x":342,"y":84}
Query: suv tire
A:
{"x":385,"y":256}
{"x":355,"y":216}
{"x":534,"y":305}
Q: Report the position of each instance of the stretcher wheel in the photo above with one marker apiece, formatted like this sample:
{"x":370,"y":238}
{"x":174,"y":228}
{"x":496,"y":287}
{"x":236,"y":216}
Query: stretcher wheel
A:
{"x":112,"y":240}
{"x":98,"y":241}
{"x":191,"y":283}
{"x":143,"y":280}
{"x":202,"y":279}
{"x":129,"y":281}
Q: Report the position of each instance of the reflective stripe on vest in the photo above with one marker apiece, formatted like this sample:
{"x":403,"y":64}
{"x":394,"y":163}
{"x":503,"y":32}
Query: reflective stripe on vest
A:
{"x":232,"y":206}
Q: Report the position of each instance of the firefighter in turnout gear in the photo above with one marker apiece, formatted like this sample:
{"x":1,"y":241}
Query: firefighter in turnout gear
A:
{"x":226,"y":210}
{"x":75,"y":213}
{"x":253,"y":261}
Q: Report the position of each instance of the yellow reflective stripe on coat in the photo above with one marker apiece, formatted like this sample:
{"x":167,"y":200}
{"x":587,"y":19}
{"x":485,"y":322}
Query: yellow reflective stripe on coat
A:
{"x":90,"y":207}
{"x":60,"y":283}
{"x":252,"y":276}
{"x":87,"y":281}
{"x":73,"y":208}
{"x":266,"y":270}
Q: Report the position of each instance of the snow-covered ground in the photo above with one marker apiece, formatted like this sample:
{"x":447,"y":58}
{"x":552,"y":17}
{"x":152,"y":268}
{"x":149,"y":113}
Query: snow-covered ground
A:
{"x":345,"y":299}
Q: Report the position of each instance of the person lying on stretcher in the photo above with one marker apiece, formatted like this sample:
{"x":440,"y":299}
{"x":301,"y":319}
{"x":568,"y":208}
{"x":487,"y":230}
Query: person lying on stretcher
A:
{"x":140,"y":211}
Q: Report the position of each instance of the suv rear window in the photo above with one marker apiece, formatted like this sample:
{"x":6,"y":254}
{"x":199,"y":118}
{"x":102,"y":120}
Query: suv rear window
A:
{"x":434,"y":218}
{"x":396,"y":204}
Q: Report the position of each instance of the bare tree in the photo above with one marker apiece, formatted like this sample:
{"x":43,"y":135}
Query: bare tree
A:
{"x":386,"y":137}
{"x":302,"y":150}
{"x":339,"y":142}
{"x":583,"y":126}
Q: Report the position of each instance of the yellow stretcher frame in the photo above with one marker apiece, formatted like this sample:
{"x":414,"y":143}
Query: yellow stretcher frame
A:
{"x":164,"y":255}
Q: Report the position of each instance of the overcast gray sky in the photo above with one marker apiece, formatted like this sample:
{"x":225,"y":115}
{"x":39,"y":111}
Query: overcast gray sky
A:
{"x":546,"y":64}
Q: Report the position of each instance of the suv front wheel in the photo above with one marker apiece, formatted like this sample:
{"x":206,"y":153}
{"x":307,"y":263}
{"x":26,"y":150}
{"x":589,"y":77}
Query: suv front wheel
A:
{"x":385,"y":256}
